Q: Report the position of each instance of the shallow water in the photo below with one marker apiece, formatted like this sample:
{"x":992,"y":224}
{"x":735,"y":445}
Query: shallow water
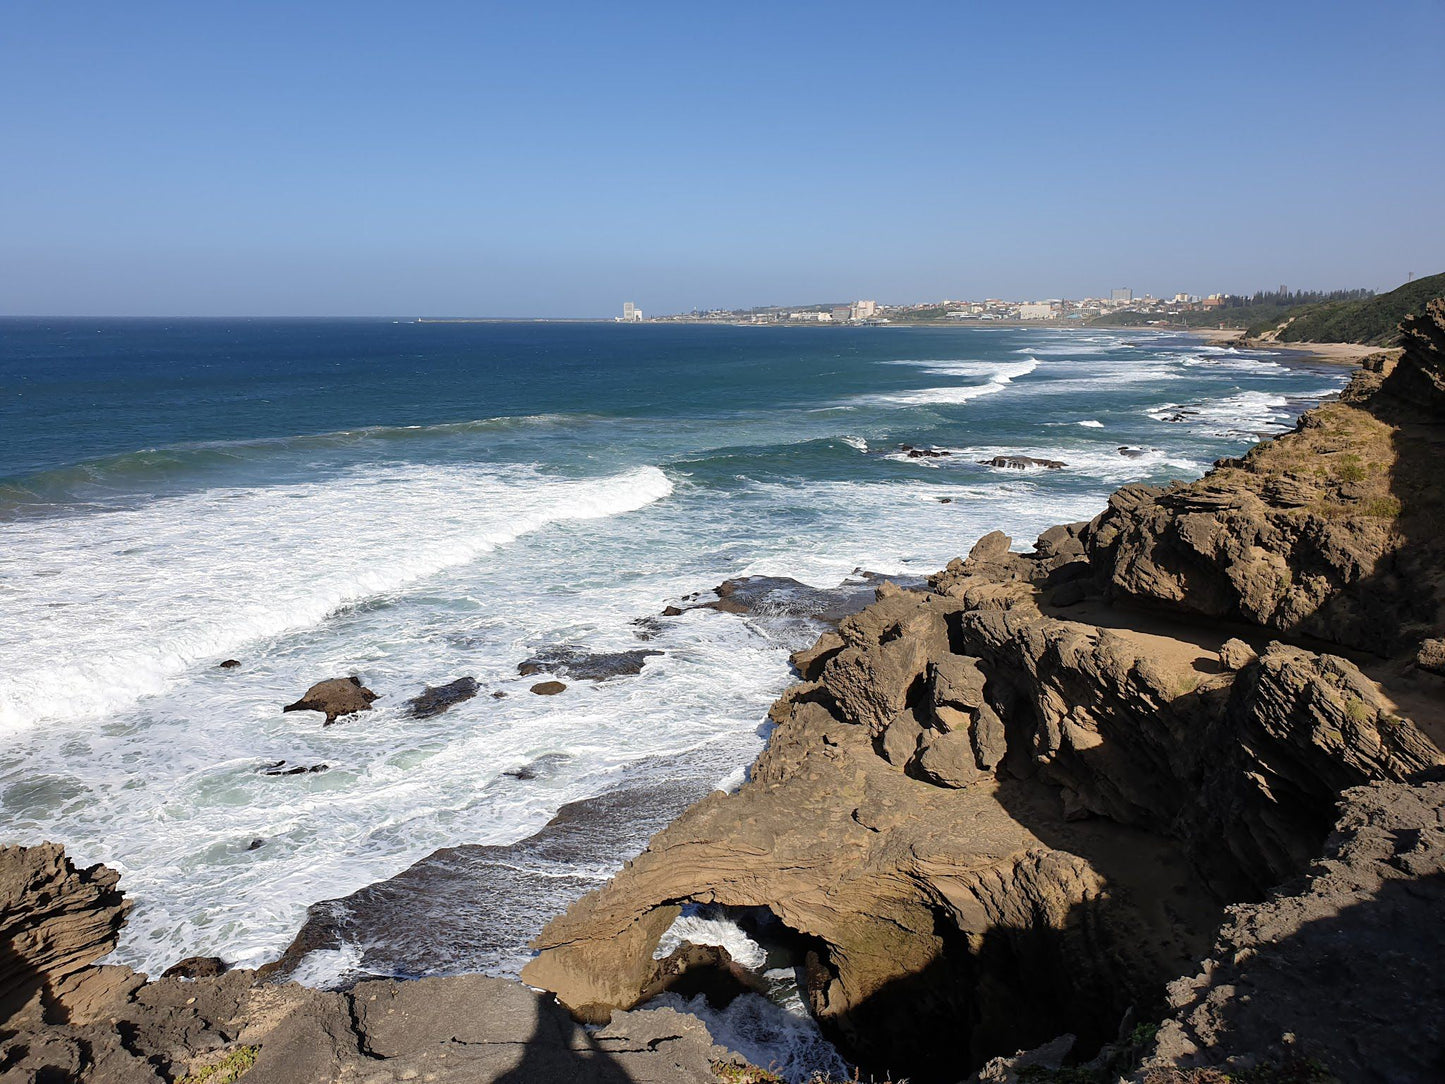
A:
{"x":412,"y":503}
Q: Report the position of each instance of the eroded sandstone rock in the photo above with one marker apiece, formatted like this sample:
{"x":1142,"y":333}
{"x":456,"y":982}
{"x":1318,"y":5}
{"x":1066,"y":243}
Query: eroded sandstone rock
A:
{"x":334,"y":698}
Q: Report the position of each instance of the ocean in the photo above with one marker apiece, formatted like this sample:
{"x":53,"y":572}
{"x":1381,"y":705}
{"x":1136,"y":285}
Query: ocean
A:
{"x":417,"y":502}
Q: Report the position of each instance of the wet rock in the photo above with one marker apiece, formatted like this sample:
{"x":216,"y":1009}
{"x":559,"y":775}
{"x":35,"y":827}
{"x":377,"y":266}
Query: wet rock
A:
{"x":672,"y":611}
{"x":334,"y":698}
{"x":1022,"y":462}
{"x":647,"y":628}
{"x":548,"y":688}
{"x":499,"y":694}
{"x":922,"y":453}
{"x":1131,"y":453}
{"x":256,"y":844}
{"x":433,"y":700}
{"x":279,"y":768}
{"x":586,"y":665}
{"x":230,"y":664}
{"x":945,"y":500}
{"x":196,"y":967}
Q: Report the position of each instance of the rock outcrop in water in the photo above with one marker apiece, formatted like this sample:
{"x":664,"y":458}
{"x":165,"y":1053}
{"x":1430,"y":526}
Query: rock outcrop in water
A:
{"x":65,"y":1019}
{"x":1011,"y":805}
{"x":334,"y":698}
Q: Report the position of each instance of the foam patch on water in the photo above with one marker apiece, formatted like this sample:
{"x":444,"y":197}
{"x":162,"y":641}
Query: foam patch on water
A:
{"x":1091,"y":424}
{"x":104,"y":610}
{"x":999,"y":376}
{"x":1243,"y":415}
{"x":699,"y":927}
{"x":767,"y":1034}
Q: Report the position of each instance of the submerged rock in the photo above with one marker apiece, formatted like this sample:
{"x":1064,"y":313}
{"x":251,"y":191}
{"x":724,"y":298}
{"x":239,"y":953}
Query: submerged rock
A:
{"x":433,"y":700}
{"x":549,"y":688}
{"x":279,"y":768}
{"x":1022,"y":462}
{"x":230,"y":664}
{"x":583,"y":665}
{"x":334,"y":698}
{"x":922,"y":453}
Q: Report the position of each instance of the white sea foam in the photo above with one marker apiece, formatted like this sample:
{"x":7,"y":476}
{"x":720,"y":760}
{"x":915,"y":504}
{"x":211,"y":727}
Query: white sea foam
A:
{"x":856,"y":442}
{"x":1246,"y":414}
{"x":999,"y":376}
{"x":1091,"y":424}
{"x":104,"y":610}
{"x":767,"y":1034}
{"x":698,"y":926}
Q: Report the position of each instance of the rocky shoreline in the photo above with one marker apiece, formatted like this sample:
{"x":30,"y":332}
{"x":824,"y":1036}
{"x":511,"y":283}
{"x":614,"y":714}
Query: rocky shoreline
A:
{"x":1012,"y":808}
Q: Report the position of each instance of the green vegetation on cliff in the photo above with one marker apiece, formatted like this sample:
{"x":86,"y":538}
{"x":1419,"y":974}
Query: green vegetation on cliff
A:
{"x":1372,"y":320}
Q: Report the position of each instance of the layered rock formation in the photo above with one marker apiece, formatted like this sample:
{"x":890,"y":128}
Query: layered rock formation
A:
{"x":1011,"y":805}
{"x":64,"y":1019}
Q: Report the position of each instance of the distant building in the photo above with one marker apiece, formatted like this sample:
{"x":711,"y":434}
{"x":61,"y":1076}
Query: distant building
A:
{"x":842,"y":313}
{"x":630,"y":313}
{"x":1036,"y":310}
{"x":1213,"y":301}
{"x":1123,"y":293}
{"x":864,"y":310}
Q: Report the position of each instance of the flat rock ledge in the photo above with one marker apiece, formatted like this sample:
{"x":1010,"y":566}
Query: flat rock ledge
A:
{"x":65,"y":1018}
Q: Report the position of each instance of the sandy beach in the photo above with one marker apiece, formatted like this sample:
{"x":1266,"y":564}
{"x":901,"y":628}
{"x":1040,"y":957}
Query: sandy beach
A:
{"x":1341,"y":352}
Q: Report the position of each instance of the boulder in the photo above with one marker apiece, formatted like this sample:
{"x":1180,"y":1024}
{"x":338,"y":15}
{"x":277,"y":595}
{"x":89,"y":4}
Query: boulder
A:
{"x":334,"y":698}
{"x":433,"y":700}
{"x":230,"y":664}
{"x":1235,"y":654}
{"x":549,"y":688}
{"x":1431,"y":656}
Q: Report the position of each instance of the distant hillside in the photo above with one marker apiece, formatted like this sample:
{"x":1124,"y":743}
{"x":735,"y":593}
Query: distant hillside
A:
{"x":1373,"y":320}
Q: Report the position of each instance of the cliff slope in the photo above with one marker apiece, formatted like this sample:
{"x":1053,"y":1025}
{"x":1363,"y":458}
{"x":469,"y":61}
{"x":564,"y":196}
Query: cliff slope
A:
{"x":1012,"y":805}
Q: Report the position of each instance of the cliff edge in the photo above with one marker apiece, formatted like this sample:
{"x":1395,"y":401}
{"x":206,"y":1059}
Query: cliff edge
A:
{"x":1014,"y":804}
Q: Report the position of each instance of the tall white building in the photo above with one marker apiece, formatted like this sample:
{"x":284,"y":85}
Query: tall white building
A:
{"x":1122,"y":294}
{"x":1036,"y":310}
{"x":630,"y":313}
{"x":865,"y":310}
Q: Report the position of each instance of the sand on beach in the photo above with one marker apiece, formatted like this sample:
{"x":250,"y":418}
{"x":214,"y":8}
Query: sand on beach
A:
{"x":1342,"y":352}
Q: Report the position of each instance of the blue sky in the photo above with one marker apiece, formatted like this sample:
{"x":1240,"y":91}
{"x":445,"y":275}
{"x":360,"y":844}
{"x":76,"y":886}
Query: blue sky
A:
{"x":557,"y":159}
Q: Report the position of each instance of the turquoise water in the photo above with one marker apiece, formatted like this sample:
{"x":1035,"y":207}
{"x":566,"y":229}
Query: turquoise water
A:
{"x":417,"y":502}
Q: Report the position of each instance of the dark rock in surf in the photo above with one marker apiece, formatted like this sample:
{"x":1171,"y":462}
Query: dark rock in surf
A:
{"x":230,"y":664}
{"x":196,"y":967}
{"x":548,"y":688}
{"x":1022,"y":462}
{"x":279,"y":768}
{"x":433,"y":700}
{"x":335,"y":697}
{"x":586,"y":665}
{"x":255,"y":844}
{"x":1131,"y":453}
{"x":646,"y":628}
{"x":922,"y":453}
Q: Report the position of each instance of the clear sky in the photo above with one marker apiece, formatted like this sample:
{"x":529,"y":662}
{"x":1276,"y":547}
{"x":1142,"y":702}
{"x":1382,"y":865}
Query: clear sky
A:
{"x":555,"y":159}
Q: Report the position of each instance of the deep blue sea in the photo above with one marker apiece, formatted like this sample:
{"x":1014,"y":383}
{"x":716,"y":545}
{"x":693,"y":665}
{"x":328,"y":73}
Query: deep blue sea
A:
{"x":414,"y":502}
